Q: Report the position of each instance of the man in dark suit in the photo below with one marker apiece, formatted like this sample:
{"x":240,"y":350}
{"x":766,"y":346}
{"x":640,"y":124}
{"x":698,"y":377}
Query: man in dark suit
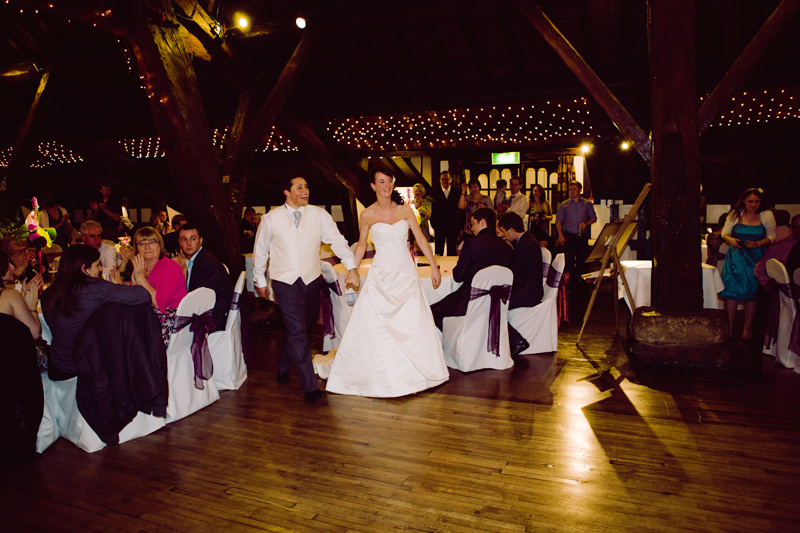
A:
{"x":526,"y":262}
{"x":446,"y":217}
{"x":484,"y":250}
{"x":205,"y":270}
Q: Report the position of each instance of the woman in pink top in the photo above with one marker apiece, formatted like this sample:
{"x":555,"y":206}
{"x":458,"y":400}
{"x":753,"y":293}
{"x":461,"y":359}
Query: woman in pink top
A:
{"x":163,"y":277}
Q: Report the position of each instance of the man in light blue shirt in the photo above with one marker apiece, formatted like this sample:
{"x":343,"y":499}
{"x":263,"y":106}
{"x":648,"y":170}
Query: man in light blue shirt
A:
{"x":573,"y":221}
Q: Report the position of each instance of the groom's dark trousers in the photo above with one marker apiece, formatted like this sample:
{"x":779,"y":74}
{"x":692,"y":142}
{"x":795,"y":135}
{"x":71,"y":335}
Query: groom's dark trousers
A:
{"x":299,"y":305}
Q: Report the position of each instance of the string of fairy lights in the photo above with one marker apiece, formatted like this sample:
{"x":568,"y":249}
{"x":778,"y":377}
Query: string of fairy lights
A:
{"x":525,"y":124}
{"x":515,"y":125}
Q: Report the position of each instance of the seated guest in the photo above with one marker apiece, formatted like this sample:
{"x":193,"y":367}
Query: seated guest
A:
{"x":782,"y":228}
{"x":793,"y":259}
{"x":779,"y":250}
{"x":526,"y":262}
{"x":20,"y":306}
{"x":248,"y":230}
{"x":161,"y":276}
{"x":76,"y":293}
{"x":485,"y":250}
{"x":171,"y":238}
{"x":22,"y":397}
{"x":714,"y":241}
{"x":205,"y":270}
{"x":92,"y":235}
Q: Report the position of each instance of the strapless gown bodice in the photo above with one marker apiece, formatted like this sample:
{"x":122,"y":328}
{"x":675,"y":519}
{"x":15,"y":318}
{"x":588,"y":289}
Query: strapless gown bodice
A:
{"x":391,"y":247}
{"x":391,"y":346}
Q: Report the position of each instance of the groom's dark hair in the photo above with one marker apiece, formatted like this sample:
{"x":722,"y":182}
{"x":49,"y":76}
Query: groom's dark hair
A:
{"x":286,"y":182}
{"x":485,"y":214}
{"x":189,"y":227}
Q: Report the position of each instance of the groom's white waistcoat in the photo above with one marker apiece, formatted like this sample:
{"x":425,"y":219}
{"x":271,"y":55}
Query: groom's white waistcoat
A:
{"x":294,"y":251}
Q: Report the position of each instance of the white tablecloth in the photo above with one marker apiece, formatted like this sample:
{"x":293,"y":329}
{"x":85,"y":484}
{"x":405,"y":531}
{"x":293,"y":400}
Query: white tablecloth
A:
{"x":446,"y":265}
{"x":639,"y":275}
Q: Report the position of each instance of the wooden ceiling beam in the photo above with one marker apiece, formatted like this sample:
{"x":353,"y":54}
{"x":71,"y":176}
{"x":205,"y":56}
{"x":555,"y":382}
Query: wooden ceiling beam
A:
{"x":247,"y":135}
{"x":23,"y":153}
{"x":620,"y":116}
{"x":181,"y":121}
{"x":334,"y":170}
{"x":200,"y":24}
{"x":746,"y":63}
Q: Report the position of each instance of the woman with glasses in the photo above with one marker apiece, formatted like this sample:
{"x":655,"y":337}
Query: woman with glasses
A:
{"x":162,"y":277}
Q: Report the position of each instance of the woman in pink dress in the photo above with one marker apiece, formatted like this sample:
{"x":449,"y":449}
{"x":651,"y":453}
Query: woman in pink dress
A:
{"x":163,"y":278}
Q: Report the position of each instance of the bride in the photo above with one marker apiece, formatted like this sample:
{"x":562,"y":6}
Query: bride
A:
{"x":391,"y":346}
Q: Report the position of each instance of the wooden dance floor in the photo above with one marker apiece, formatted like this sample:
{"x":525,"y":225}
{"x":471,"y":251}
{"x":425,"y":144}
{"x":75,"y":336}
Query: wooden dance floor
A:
{"x":572,"y":442}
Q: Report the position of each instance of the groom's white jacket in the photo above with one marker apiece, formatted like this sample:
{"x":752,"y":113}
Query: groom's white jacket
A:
{"x":294,"y":251}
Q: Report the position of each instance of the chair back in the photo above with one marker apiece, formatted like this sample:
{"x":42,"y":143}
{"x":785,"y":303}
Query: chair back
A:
{"x":486,"y":279}
{"x":553,"y":278}
{"x":197,"y":302}
{"x":796,"y":276}
{"x":547,"y":256}
{"x":777,"y":271}
{"x":184,"y":397}
{"x":234,"y":310}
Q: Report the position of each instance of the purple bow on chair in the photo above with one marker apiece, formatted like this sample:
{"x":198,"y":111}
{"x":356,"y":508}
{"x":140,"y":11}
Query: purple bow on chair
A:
{"x":235,"y":301}
{"x":497,"y":294}
{"x":199,"y":325}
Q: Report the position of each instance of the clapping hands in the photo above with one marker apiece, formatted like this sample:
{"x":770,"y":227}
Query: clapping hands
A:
{"x":30,"y":291}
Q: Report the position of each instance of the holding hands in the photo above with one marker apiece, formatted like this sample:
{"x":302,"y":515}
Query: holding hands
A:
{"x":353,"y":279}
{"x":436,"y":277}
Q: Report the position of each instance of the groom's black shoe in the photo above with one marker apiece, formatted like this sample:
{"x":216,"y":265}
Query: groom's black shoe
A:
{"x":313,"y":396}
{"x":520,"y":347}
{"x":283,"y":377}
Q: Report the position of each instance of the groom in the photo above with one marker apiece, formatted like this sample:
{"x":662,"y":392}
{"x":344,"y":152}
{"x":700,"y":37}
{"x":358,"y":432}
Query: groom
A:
{"x":289,"y":236}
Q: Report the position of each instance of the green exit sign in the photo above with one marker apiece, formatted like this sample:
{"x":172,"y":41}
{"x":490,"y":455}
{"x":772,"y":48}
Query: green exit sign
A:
{"x":505,"y":158}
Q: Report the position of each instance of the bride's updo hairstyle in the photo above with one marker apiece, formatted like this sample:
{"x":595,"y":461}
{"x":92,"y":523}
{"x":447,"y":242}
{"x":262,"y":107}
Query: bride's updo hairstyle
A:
{"x":380,"y":169}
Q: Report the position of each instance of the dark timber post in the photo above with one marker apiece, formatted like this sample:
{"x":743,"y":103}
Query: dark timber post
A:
{"x":677,"y":275}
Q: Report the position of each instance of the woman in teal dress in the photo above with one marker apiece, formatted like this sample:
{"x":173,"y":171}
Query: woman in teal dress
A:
{"x":748,"y":229}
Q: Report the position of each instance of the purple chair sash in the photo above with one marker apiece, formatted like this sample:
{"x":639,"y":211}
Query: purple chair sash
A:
{"x":553,"y":277}
{"x":497,"y":294}
{"x":199,"y":325}
{"x":771,"y":335}
{"x":326,"y":308}
{"x":235,"y":301}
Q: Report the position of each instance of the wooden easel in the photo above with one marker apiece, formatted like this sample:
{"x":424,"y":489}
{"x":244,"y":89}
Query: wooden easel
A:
{"x":618,"y":243}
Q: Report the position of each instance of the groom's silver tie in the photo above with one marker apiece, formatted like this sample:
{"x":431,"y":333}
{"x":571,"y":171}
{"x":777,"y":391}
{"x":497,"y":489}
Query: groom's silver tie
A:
{"x":296,"y":218}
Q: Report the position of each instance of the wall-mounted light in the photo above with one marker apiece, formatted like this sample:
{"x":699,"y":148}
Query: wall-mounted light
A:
{"x":301,"y":22}
{"x":625,"y":145}
{"x":586,"y":148}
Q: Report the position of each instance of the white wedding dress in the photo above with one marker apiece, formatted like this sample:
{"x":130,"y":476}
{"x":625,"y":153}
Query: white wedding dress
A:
{"x":391,"y":346}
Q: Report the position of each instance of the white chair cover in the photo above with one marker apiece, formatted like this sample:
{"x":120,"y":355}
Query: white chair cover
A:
{"x":341,"y":309}
{"x":48,"y":430}
{"x":780,"y":348}
{"x":465,"y":338}
{"x":539,"y":324}
{"x":230,"y":370}
{"x":62,"y":418}
{"x":184,"y":397}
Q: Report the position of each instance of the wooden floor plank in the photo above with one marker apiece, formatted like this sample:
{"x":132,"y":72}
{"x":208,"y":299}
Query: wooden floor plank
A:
{"x":579,"y":441}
